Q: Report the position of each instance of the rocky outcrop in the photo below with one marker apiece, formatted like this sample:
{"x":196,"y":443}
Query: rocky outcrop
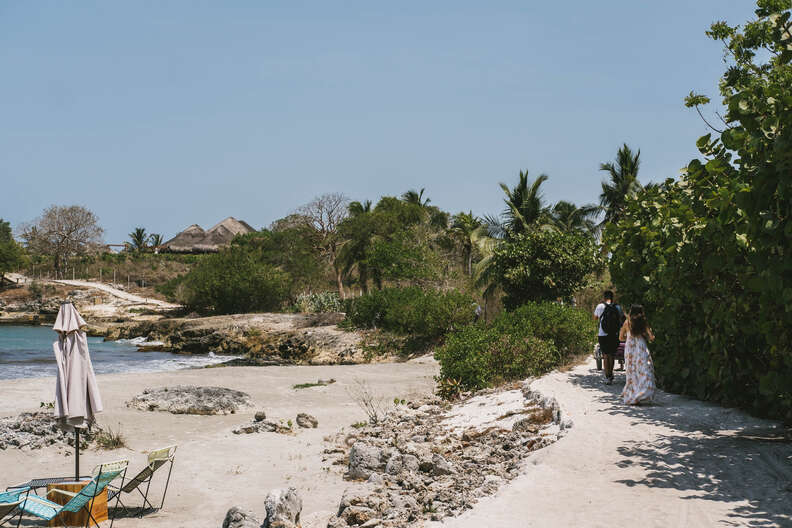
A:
{"x":190,"y":399}
{"x":35,"y":430}
{"x":306,"y":421}
{"x":236,"y":517}
{"x":262,"y":426}
{"x":282,"y":510}
{"x":418,"y":464}
{"x":259,"y":339}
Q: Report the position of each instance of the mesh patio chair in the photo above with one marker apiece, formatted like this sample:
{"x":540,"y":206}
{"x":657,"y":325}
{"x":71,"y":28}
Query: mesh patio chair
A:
{"x":156,"y":459}
{"x":10,"y":502}
{"x":103,"y":474}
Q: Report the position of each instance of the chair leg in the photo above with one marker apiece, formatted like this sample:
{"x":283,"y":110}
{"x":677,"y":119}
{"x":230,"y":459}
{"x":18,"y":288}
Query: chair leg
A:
{"x":170,"y":468}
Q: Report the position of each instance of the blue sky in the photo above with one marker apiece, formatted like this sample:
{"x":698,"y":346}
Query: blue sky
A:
{"x":164,"y":114}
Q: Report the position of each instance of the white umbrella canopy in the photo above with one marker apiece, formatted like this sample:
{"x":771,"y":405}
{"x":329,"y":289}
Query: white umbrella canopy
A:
{"x":77,"y":397}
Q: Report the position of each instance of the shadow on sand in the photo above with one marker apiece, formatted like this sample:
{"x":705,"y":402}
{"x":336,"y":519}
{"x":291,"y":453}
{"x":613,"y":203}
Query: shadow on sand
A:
{"x":710,"y":452}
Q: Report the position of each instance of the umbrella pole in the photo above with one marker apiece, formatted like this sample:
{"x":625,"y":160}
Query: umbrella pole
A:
{"x":77,"y":451}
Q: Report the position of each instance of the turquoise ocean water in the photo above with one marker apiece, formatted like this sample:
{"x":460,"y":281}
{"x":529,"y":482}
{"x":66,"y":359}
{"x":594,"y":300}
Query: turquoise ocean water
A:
{"x":26,"y":352}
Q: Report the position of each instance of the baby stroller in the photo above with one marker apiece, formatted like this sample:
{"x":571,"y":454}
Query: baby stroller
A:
{"x":618,"y":357}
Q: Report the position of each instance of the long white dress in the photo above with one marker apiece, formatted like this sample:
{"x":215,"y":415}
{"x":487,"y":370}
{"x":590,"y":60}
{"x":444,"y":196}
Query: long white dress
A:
{"x":640,"y":375}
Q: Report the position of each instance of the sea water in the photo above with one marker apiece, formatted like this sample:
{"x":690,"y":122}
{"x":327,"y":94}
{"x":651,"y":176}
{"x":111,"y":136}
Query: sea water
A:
{"x":26,"y":352}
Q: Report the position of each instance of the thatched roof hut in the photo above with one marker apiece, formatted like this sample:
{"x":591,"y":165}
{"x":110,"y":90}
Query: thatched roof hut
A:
{"x":195,"y":240}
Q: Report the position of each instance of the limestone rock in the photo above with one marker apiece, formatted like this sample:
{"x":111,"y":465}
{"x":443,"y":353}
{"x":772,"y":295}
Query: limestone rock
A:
{"x":35,"y":430}
{"x":364,"y":459}
{"x":399,"y":463}
{"x":190,"y":399}
{"x":239,"y":518}
{"x":306,"y":421}
{"x":283,"y":509}
{"x":257,"y":427}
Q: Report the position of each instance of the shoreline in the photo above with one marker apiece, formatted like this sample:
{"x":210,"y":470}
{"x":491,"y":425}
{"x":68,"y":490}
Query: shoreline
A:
{"x":215,"y":468}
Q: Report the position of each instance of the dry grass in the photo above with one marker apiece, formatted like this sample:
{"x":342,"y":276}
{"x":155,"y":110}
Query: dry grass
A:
{"x":109,"y":439}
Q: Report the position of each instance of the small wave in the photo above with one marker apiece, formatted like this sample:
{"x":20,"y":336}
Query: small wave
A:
{"x":139,"y":341}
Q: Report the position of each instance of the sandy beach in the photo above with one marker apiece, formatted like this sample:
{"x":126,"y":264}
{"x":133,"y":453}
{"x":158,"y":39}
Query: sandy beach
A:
{"x":680,"y":463}
{"x":214,"y":468}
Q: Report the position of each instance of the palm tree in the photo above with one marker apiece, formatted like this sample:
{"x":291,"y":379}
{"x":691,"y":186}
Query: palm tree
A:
{"x":525,"y":208}
{"x":569,"y":217}
{"x":138,"y":239}
{"x":415,"y":197}
{"x":155,"y":239}
{"x":622,"y":184}
{"x":357,"y":232}
{"x":463,"y":226}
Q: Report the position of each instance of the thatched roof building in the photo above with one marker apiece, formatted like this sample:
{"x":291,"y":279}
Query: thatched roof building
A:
{"x":195,"y":240}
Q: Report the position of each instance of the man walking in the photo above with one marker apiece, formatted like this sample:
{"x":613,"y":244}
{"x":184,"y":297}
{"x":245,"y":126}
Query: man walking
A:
{"x":609,"y":316}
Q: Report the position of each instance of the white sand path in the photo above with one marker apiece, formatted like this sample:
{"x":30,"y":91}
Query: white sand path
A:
{"x":115,"y":292}
{"x":680,"y":463}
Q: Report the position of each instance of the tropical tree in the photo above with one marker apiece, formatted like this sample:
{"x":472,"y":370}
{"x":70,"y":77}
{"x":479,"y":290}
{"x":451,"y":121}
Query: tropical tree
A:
{"x":463,"y":228}
{"x":10,"y":252}
{"x":622,"y":183}
{"x":63,"y":231}
{"x":525,"y":208}
{"x":357,"y":231}
{"x":569,"y":217}
{"x":155,"y":239}
{"x":138,"y":239}
{"x":415,"y":197}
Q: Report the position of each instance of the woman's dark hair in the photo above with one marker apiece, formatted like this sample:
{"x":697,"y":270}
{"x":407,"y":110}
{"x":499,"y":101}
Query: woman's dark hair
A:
{"x":638,"y":323}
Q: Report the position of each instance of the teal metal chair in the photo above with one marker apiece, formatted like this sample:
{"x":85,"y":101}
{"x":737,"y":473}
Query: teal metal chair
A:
{"x":102,"y":476}
{"x":10,"y":502}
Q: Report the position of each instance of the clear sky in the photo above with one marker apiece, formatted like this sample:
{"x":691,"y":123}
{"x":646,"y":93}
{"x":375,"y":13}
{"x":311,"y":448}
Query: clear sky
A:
{"x":164,"y":114}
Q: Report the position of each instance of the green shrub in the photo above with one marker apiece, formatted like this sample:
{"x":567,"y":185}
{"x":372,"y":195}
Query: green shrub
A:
{"x":570,"y":329}
{"x":320,"y":302}
{"x":543,"y":265}
{"x":234,"y":281}
{"x":411,"y":310}
{"x":530,"y":341}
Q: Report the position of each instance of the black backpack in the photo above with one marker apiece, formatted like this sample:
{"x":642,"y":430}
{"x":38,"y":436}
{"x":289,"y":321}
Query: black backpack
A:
{"x":610,"y":320}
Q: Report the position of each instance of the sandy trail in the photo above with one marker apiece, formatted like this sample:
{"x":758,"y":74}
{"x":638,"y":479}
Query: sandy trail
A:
{"x":680,"y":463}
{"x":214,"y":468}
{"x":115,"y":292}
{"x":131,"y":297}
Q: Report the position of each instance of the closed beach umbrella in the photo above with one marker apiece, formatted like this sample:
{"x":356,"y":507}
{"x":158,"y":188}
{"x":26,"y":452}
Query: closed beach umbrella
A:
{"x":77,"y":397}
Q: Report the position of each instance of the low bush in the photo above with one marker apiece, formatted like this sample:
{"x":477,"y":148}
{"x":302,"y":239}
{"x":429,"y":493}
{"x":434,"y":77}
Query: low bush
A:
{"x":529,"y":341}
{"x":320,"y":302}
{"x":412,"y":311}
{"x":233,"y":281}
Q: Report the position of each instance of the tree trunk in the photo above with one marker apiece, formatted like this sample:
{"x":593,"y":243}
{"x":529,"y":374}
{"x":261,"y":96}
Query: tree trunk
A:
{"x":339,"y":282}
{"x":363,"y":277}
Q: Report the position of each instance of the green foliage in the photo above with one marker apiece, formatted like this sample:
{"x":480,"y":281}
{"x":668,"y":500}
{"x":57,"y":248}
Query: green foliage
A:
{"x":411,"y":310}
{"x":320,"y":302}
{"x":527,"y":342}
{"x":290,"y":249}
{"x":570,"y":329}
{"x":138,"y":239}
{"x":622,"y":183}
{"x":543,"y":265}
{"x":234,"y":281}
{"x":709,"y":255}
{"x":11,"y":255}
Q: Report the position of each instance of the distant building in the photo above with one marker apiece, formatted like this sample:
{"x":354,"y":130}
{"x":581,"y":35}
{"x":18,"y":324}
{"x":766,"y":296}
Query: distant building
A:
{"x":195,"y":240}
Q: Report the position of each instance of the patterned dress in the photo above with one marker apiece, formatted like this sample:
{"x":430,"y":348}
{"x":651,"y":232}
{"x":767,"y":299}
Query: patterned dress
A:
{"x":640,"y":383}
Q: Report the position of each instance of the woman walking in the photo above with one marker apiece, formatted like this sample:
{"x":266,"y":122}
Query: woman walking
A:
{"x":640,"y":385}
